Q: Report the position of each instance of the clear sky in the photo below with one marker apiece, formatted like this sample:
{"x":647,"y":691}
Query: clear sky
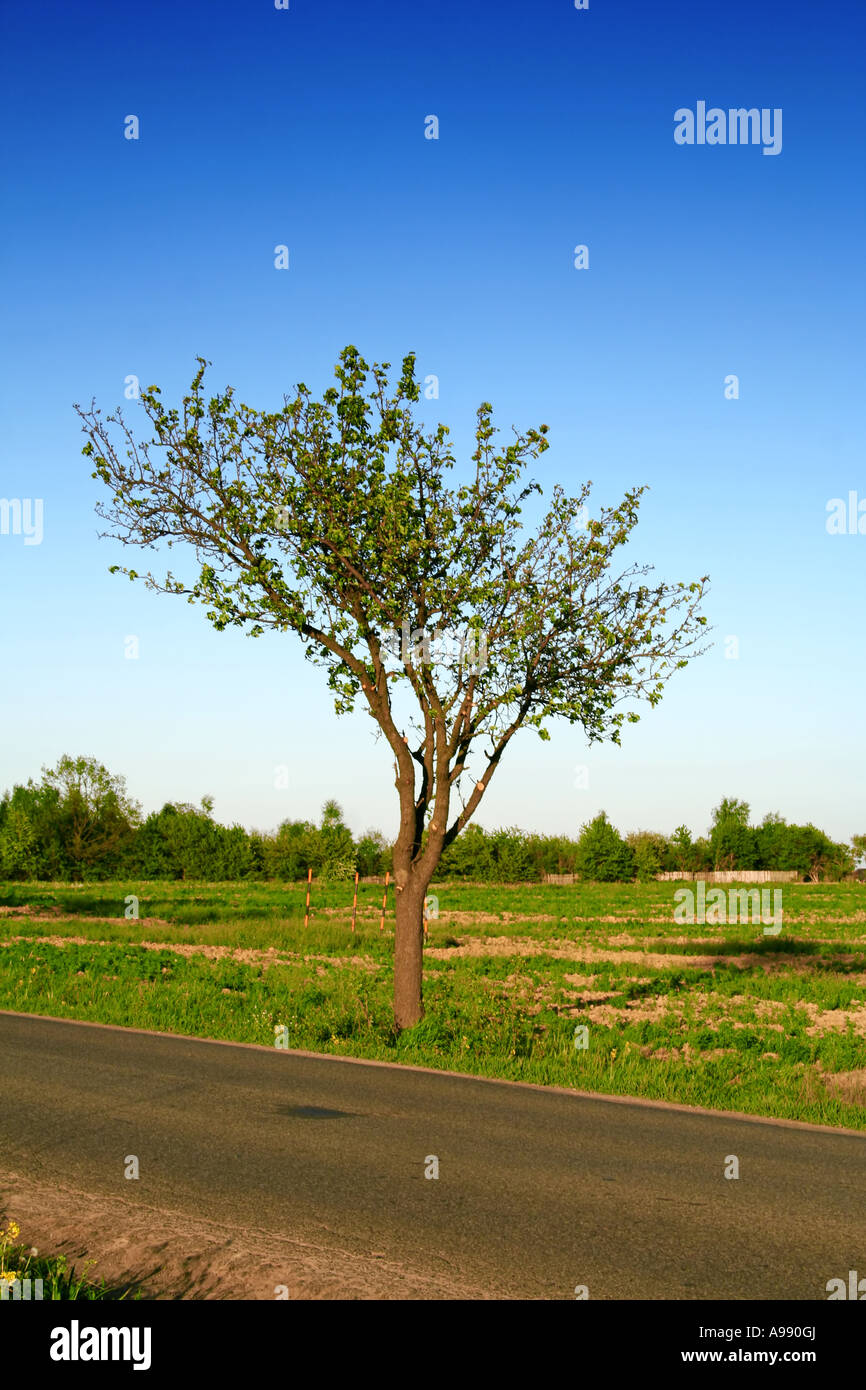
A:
{"x":306,"y":127}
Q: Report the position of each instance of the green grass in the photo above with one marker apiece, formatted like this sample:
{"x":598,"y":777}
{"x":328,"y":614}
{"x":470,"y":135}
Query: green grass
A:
{"x":723,"y":1017}
{"x":58,"y":1280}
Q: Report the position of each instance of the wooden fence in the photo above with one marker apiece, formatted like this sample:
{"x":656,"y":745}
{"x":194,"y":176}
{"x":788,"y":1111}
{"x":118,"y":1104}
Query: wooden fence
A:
{"x":734,"y":876}
{"x":709,"y":876}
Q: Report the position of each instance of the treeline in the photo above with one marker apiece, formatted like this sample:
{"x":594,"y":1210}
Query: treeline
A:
{"x":601,"y":854}
{"x":79,"y":823}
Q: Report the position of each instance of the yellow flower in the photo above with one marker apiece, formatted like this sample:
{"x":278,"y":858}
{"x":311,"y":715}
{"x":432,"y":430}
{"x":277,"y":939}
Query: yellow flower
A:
{"x":14,"y":1230}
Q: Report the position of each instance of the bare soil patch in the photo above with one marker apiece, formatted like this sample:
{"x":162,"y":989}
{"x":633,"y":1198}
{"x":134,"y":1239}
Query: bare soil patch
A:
{"x":849,"y":1086}
{"x":567,"y":950}
{"x":173,"y":1256}
{"x":246,"y":955}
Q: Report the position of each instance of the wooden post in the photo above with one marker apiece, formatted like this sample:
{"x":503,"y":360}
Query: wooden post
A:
{"x":385,"y":899}
{"x":355,"y":901}
{"x":307,"y":912}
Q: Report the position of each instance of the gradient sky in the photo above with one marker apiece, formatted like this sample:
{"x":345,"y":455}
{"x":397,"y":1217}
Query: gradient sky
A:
{"x":306,"y":127}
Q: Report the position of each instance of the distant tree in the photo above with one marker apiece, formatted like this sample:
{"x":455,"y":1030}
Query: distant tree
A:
{"x":773,"y":843}
{"x":258,"y":854}
{"x":551,"y":854}
{"x":803,"y":848}
{"x":372,"y":854}
{"x":468,"y":856}
{"x":650,"y":852}
{"x":332,"y":519}
{"x":335,"y":849}
{"x":151,"y":855}
{"x":511,"y":861}
{"x":497,"y":856}
{"x":236,"y":856}
{"x":96,"y":818}
{"x":602,"y":854}
{"x":681,"y":849}
{"x":34,"y":848}
{"x":817,"y":856}
{"x":858,"y":845}
{"x":703,"y":858}
{"x":18,"y":845}
{"x":184,"y":841}
{"x":291,"y":851}
{"x":732,"y":841}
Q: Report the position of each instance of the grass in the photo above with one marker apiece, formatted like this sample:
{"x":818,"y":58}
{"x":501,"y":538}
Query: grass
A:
{"x":718,"y":1016}
{"x":17,"y":1262}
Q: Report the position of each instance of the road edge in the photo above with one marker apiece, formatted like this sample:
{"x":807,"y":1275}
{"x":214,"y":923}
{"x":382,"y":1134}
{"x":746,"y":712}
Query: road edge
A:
{"x":642,"y":1101}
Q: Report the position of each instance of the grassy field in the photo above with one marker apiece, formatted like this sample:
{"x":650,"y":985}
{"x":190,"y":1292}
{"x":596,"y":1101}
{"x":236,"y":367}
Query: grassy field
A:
{"x":720,"y":1016}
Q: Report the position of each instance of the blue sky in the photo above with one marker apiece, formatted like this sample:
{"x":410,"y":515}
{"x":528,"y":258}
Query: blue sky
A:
{"x":305,"y":127}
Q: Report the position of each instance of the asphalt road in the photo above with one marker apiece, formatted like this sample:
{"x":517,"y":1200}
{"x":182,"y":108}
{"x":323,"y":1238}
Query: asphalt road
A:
{"x":538,"y":1191}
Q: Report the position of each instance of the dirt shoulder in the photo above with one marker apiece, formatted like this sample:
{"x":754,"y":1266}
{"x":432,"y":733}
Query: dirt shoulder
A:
{"x":171,"y":1256}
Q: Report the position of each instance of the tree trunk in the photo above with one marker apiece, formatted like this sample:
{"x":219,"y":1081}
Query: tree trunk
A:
{"x":408,"y":954}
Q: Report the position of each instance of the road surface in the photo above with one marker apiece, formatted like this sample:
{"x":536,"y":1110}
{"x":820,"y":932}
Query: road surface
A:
{"x":265,"y":1173}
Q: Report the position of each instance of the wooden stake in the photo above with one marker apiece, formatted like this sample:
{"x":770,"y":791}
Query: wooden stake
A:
{"x":385,"y":899}
{"x":355,"y":901}
{"x":307,"y":913}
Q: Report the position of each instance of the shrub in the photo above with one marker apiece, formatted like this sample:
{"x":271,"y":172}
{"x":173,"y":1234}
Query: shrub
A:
{"x":602,"y":854}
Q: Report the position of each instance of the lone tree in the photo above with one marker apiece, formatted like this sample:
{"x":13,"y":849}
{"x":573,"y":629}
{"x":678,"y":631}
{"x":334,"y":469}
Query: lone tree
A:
{"x":331,"y":518}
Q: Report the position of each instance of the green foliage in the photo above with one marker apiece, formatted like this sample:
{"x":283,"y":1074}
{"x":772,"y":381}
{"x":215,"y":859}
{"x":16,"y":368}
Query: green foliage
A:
{"x":800,"y":847}
{"x":774,"y":844}
{"x":469,"y":856}
{"x":732,"y":842}
{"x":328,"y":849}
{"x":372,"y":854}
{"x":497,"y":856}
{"x":651,"y":853}
{"x":511,"y":859}
{"x":182,"y":842}
{"x":602,"y":854}
{"x":39,"y":805}
{"x":18,"y":845}
{"x":80,"y":824}
{"x":289,"y":853}
{"x":333,"y":846}
{"x":551,"y":854}
{"x":332,"y":518}
{"x":703,"y":855}
{"x":681,"y":851}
